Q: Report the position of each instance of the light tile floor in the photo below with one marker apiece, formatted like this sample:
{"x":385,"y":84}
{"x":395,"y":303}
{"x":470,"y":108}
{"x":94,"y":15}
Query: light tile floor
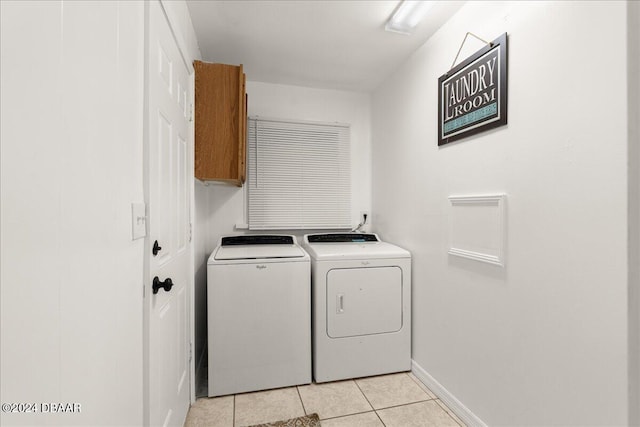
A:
{"x":388,"y":400}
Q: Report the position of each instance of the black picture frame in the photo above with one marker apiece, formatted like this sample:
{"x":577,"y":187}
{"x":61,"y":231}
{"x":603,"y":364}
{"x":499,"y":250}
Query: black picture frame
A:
{"x":472,"y":98}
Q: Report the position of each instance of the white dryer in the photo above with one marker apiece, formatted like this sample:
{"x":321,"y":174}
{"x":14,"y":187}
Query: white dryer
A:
{"x":259,"y":314}
{"x":361,"y":306}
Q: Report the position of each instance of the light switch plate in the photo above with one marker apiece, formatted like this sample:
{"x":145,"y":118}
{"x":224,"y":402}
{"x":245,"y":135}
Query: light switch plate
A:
{"x":138,"y":220}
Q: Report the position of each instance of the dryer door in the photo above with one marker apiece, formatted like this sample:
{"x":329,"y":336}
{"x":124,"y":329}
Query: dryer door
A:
{"x":364,"y":301}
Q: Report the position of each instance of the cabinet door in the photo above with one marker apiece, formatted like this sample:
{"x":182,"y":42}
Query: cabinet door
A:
{"x":242,"y":132}
{"x":220,"y":122}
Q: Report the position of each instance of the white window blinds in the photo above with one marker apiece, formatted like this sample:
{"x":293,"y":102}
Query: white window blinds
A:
{"x":299,"y":175}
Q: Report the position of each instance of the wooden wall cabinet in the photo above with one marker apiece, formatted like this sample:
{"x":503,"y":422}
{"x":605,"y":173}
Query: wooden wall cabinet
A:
{"x":220,"y":122}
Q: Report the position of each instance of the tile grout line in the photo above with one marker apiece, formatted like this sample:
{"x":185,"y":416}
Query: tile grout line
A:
{"x":437,"y":398}
{"x":436,"y":401}
{"x":301,"y":401}
{"x":420,"y":384}
{"x":407,"y":404}
{"x":367,"y":399}
{"x":363,"y":394}
{"x":378,"y":415}
{"x":233,"y":420}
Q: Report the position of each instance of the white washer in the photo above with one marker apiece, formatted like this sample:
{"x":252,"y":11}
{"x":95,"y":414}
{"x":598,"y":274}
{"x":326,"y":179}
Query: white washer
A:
{"x":361,"y":316}
{"x":259,"y":314}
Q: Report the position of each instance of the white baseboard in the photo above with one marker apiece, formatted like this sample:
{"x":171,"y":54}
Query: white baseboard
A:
{"x":465,"y":415}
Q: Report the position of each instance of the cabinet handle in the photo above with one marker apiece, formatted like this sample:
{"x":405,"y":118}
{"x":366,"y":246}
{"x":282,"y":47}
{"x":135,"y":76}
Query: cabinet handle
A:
{"x":340,"y":304}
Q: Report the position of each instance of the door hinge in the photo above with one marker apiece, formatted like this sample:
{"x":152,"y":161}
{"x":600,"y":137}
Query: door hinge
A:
{"x":190,"y":231}
{"x":190,"y":351}
{"x":190,"y":112}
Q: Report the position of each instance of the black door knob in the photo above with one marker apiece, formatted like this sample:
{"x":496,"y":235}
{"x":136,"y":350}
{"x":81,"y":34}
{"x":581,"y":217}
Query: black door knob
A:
{"x":166,"y":285}
{"x":156,"y":248}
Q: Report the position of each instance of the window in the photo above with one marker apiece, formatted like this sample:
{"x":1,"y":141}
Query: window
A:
{"x":299,"y":175}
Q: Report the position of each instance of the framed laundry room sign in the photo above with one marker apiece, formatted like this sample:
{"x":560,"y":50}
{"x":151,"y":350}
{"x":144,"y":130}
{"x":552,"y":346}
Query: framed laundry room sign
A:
{"x":472,"y":96}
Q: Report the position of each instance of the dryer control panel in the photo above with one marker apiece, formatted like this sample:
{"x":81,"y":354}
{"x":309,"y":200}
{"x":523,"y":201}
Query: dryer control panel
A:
{"x":257,"y":239}
{"x":342,"y":238}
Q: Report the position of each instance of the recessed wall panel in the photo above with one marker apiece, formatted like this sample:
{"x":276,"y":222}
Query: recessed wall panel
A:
{"x":477,"y":229}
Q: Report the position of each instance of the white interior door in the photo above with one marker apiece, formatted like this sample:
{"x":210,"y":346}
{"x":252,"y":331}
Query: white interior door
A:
{"x":168,"y":351}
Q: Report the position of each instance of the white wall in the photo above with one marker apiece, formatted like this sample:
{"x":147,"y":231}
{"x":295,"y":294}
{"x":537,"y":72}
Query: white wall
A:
{"x":72,"y":163}
{"x":200,"y":255}
{"x":180,"y":20}
{"x":542,"y":341}
{"x":633,"y":52}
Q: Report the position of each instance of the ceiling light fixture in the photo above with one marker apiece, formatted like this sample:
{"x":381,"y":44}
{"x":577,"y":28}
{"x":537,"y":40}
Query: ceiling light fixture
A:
{"x":407,"y":16}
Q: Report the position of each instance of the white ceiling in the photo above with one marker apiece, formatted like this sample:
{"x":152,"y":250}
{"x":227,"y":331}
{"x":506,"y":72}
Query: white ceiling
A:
{"x":336,"y":44}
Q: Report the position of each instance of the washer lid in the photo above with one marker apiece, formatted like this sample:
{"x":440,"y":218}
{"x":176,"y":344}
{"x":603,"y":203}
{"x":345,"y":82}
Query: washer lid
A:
{"x":258,"y":247}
